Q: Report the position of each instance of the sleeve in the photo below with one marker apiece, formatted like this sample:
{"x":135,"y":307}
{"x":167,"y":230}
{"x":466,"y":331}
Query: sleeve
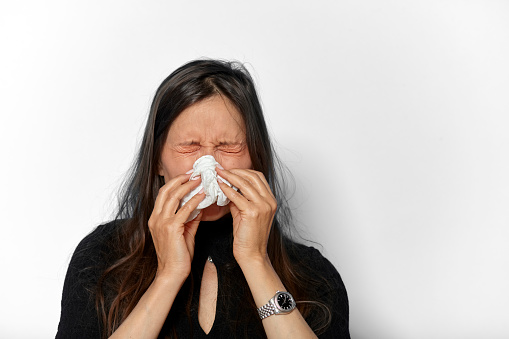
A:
{"x":78,"y":318}
{"x":334,"y":292}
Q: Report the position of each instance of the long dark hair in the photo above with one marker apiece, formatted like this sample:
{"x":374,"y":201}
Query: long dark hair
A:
{"x":134,"y":267}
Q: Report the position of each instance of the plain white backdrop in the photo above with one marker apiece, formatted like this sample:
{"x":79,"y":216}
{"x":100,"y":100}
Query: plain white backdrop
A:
{"x":392,"y":115}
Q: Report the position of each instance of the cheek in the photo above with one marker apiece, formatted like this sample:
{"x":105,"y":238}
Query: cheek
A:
{"x":176,"y":167}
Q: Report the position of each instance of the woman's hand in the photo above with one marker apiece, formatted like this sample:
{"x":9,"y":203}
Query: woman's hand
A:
{"x":252,"y":209}
{"x":173,"y":237}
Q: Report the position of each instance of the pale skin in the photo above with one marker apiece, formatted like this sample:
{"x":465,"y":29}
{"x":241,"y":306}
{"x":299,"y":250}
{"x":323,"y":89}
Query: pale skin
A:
{"x":210,"y":127}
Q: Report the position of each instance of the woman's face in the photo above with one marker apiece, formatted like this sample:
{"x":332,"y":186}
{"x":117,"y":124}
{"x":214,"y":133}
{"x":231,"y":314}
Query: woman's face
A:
{"x":214,"y":127}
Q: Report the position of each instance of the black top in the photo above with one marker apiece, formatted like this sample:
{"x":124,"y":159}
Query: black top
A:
{"x":79,"y":317}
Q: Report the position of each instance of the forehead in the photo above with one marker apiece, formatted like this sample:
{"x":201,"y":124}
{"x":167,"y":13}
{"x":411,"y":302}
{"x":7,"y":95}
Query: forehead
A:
{"x":212,"y":118}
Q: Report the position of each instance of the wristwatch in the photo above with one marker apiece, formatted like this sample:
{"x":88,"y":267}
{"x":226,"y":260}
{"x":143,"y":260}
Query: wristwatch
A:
{"x":281,"y":303}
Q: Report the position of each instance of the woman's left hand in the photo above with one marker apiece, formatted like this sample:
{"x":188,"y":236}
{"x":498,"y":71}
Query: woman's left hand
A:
{"x":253,"y":209}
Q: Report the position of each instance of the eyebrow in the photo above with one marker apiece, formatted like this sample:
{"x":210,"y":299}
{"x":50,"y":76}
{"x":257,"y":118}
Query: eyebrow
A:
{"x":221,"y":143}
{"x":228,"y":143}
{"x":187,"y":143}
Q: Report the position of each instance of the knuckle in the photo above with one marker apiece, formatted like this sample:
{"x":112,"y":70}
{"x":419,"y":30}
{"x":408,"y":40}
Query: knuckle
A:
{"x":154,"y":225}
{"x":245,"y":182}
{"x":267,"y":207}
{"x":173,"y":199}
{"x":253,"y":213}
{"x":258,"y":173}
{"x":186,"y":207}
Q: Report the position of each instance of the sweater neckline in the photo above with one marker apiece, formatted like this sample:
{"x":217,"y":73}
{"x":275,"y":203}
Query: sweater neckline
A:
{"x":214,"y":239}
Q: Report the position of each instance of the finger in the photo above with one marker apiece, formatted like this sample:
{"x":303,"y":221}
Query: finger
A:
{"x":238,"y":199}
{"x":173,"y":198}
{"x":263,"y":180}
{"x":167,"y":188}
{"x":192,"y":226}
{"x":250,"y":187}
{"x":257,"y":179}
{"x":185,"y":211}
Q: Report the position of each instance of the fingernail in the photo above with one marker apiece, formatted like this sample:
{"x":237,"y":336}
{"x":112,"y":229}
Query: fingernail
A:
{"x":201,"y":191}
{"x":218,"y":165}
{"x":190,"y":171}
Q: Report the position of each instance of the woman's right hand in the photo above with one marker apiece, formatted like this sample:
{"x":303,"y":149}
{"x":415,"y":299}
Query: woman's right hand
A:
{"x":174,"y":238}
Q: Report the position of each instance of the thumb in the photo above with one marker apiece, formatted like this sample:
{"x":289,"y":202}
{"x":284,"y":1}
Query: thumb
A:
{"x":234,"y":210}
{"x":191,"y":227}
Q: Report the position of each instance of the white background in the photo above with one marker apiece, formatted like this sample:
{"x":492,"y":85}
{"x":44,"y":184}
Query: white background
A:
{"x":392,"y":116}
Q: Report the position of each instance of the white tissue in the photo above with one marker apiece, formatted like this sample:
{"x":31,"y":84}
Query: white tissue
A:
{"x":206,"y":168}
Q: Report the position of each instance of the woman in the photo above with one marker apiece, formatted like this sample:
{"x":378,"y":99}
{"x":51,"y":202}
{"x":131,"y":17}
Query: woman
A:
{"x":230,"y":272}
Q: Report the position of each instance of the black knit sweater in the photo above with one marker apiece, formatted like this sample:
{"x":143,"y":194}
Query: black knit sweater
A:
{"x":79,"y":317}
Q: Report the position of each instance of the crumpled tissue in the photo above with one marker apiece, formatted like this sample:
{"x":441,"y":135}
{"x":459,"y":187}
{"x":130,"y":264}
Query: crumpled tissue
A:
{"x":206,"y":168}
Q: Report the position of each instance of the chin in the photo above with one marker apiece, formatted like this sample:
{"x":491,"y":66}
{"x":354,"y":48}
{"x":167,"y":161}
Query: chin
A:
{"x":214,"y":212}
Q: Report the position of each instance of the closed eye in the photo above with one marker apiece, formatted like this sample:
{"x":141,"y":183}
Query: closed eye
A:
{"x":236,"y":148}
{"x":229,"y":151}
{"x":187,"y":149}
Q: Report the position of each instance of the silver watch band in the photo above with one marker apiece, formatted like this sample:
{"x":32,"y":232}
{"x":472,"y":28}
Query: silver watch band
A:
{"x":267,"y":310}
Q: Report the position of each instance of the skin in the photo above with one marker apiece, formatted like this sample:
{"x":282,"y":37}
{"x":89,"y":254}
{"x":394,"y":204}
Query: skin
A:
{"x":210,"y":127}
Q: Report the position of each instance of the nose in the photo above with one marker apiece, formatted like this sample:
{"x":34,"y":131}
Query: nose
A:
{"x":208,"y":150}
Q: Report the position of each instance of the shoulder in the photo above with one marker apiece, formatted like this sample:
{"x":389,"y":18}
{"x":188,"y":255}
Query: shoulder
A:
{"x":93,"y":247}
{"x":99,"y":236}
{"x":317,"y":264}
{"x":93,"y":254}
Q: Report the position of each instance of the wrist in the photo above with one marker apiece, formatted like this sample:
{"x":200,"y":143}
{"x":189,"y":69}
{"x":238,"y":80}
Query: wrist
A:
{"x":253,"y":260}
{"x":263,"y":281}
{"x":171,"y":276}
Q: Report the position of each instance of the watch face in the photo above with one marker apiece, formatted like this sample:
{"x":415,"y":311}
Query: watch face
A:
{"x":285,"y":301}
